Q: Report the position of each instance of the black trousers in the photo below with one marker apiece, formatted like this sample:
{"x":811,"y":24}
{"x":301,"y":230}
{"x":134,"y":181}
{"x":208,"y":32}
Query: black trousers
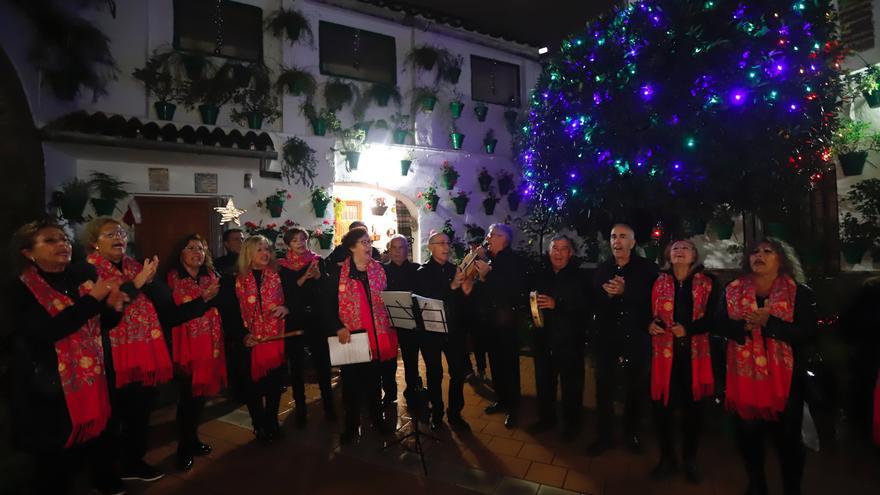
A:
{"x":295,"y":349}
{"x":388,"y":378}
{"x":480,"y":348}
{"x":131,"y":406}
{"x":559,"y":362}
{"x":636,"y":379}
{"x":54,"y":469}
{"x":410,"y":344}
{"x":264,"y":398}
{"x":453,"y":346}
{"x":681,"y":398}
{"x":189,"y":413}
{"x":785,"y":433}
{"x":361,"y":387}
{"x":504,"y":360}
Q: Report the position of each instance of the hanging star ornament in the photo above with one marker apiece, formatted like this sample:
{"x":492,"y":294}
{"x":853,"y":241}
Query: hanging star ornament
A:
{"x":229,"y":213}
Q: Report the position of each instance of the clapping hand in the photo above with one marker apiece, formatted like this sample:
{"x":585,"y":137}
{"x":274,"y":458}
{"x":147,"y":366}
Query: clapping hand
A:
{"x":250,"y":340}
{"x":655,"y":329}
{"x":211,"y":291}
{"x":678,"y":330}
{"x":615,"y":286}
{"x":147,"y":272}
{"x":759,"y":317}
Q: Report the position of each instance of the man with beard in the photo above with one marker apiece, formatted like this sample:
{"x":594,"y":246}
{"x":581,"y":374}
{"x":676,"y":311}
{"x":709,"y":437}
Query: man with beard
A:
{"x":500,"y":293}
{"x":559,"y":345}
{"x":439,"y":279}
{"x":622,"y":296}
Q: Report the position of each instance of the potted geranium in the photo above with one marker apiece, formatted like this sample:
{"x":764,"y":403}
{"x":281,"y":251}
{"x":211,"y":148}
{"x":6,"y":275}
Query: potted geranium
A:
{"x":296,"y":82}
{"x":275,"y":202}
{"x":320,"y":199}
{"x":256,"y":108}
{"x":461,"y":200}
{"x":489,"y":141}
{"x":429,"y":198}
{"x":406,"y":162}
{"x":338,"y":93}
{"x":505,"y":182}
{"x":448,"y":175}
{"x":867,"y":82}
{"x":489,"y":203}
{"x":456,"y":105}
{"x":110,"y":191}
{"x":161,"y":84}
{"x":351,"y":141}
{"x":379,"y":208}
{"x":481,"y":110}
{"x":485,"y":179}
{"x":324,"y":234}
{"x":456,"y":137}
{"x":401,"y":127}
{"x":851,"y":142}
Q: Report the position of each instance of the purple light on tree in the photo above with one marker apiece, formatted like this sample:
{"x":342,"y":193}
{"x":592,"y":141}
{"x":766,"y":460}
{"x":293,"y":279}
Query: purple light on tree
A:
{"x":647,"y":91}
{"x":737,"y":97}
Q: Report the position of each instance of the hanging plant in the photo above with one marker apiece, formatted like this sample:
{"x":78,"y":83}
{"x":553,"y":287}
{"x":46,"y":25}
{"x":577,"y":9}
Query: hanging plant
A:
{"x":210,"y":92}
{"x":110,"y":190}
{"x":382,"y":93}
{"x":257,"y":108}
{"x":322,"y":120}
{"x":320,"y":199}
{"x":489,"y":141}
{"x":460,"y":201}
{"x":402,"y":127}
{"x":481,"y":110}
{"x":448,"y":175}
{"x":851,"y":142}
{"x":338,"y":93}
{"x":160,"y":84}
{"x":513,"y":200}
{"x":456,"y":137}
{"x":274,"y":203}
{"x":72,"y":199}
{"x":424,"y":98}
{"x":406,"y":162}
{"x":298,"y":162}
{"x":510,"y":117}
{"x":424,"y":57}
{"x":296,"y":82}
{"x":867,"y":82}
{"x":456,"y":105}
{"x":490,"y":202}
{"x":485,"y":180}
{"x":379,"y":207}
{"x":449,"y":69}
{"x":290,"y":24}
{"x":351,"y":143}
{"x":505,"y":182}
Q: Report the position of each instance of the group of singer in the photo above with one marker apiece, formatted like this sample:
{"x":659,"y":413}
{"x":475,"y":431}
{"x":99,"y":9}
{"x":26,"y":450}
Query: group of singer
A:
{"x":93,"y":339}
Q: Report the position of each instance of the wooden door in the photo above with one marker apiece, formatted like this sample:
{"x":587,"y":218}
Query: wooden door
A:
{"x":165,"y":220}
{"x":353,"y":210}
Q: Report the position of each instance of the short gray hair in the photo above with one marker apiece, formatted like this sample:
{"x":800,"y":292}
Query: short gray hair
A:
{"x":504,"y":229}
{"x":561,"y":237}
{"x":394,"y":238}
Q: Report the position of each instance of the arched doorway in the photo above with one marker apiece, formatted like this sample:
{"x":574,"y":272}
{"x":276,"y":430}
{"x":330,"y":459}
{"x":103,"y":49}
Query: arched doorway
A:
{"x":365,"y":202}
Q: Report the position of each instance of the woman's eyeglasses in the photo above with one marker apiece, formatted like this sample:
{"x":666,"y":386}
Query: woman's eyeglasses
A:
{"x":116,"y":234}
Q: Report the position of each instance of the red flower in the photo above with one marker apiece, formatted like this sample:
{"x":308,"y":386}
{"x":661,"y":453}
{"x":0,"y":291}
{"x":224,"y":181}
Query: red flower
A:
{"x":326,"y":222}
{"x":289,"y":195}
{"x":288,"y":222}
{"x":270,"y":226}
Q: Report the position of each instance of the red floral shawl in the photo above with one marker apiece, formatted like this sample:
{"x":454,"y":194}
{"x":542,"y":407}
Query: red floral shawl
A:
{"x":759,"y":372}
{"x":355,"y":311}
{"x":256,"y":313}
{"x":663,"y":303}
{"x":137,"y":344}
{"x":80,"y":363}
{"x":197,"y":345}
{"x":296,"y":262}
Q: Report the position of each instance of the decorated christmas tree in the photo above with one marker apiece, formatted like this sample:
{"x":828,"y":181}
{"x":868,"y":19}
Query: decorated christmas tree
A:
{"x":671,"y":107}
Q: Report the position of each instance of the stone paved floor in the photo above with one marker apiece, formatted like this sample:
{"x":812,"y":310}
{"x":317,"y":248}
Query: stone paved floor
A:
{"x":491,"y":460}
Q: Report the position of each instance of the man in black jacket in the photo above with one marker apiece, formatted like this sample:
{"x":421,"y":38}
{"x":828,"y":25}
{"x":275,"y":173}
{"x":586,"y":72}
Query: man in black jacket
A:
{"x":227,"y":265}
{"x":501,"y":293}
{"x":559,"y":345}
{"x":400,"y":274}
{"x":439,"y":279}
{"x":622,"y":294}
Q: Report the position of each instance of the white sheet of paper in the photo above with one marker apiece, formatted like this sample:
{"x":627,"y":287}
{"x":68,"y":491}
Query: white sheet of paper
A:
{"x":433,"y":313}
{"x":356,"y":351}
{"x":399,"y":304}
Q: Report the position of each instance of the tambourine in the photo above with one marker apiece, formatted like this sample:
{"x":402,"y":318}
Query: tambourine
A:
{"x":537,"y":313}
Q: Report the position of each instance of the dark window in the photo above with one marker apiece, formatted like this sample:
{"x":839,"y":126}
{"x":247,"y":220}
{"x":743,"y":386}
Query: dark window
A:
{"x":356,"y":54}
{"x":225,"y":29}
{"x":494,"y":82}
{"x":857,"y":24}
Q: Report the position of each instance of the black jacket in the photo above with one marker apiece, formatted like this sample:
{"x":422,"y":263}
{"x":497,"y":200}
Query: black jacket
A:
{"x":503,"y":293}
{"x":434,"y":281}
{"x":565,"y":324}
{"x":627,"y":316}
{"x":42,"y":422}
{"x":227,"y":264}
{"x":302,"y":301}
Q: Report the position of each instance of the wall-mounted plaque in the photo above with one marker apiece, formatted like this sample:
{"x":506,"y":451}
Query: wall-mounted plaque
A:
{"x":206,"y":183}
{"x":159,"y":179}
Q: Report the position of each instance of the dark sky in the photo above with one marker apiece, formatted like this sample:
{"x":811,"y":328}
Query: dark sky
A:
{"x":538,"y":22}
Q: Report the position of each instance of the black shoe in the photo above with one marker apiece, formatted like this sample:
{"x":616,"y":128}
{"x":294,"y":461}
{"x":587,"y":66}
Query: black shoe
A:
{"x":599,"y":447}
{"x":436,"y":423}
{"x":380,"y":424}
{"x":457,"y":423}
{"x":261,"y":434}
{"x":541,"y":426}
{"x":494,"y":408}
{"x":141,"y":471}
{"x":692,"y":473}
{"x":510,"y":421}
{"x":273,"y":432}
{"x":110,"y":486}
{"x":300,"y":418}
{"x":664,"y":469}
{"x":634,"y":444}
{"x":349,"y":435}
{"x":184,"y":461}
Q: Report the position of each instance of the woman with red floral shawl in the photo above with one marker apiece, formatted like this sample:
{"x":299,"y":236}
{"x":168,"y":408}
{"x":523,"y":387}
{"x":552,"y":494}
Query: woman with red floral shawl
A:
{"x":261,"y":300}
{"x":768,"y":316}
{"x":196,"y":345}
{"x":354,"y":303}
{"x":302,"y":273}
{"x":61,"y":403}
{"x":683,"y":300}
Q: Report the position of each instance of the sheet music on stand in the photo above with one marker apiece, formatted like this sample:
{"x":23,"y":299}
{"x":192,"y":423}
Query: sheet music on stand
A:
{"x":433,"y":313}
{"x":356,"y":351}
{"x":400,"y":308}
